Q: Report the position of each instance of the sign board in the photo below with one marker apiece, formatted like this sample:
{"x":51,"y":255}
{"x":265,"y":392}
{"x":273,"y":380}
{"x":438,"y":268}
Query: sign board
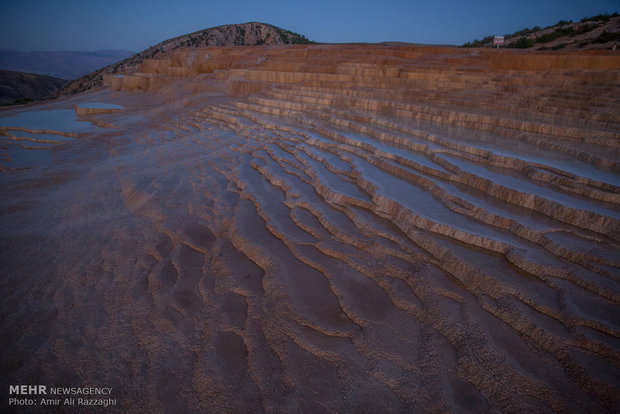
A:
{"x":498,"y":40}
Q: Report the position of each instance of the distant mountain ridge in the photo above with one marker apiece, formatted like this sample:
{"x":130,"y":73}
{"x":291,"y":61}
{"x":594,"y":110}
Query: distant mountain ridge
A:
{"x":62,"y":64}
{"x":596,"y":32}
{"x":19,"y":88}
{"x":244,"y":34}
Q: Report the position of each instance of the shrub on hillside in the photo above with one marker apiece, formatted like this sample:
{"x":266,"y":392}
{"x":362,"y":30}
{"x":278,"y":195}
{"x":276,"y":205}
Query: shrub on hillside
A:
{"x":546,"y":38}
{"x":522,"y":43}
{"x":586,"y":28}
{"x":599,"y":17}
{"x":524,"y":32}
{"x":607,"y":37}
{"x":479,"y":43}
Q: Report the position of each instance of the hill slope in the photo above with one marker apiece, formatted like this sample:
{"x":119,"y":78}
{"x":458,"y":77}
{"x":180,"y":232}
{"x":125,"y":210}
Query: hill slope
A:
{"x":597,"y":32}
{"x":245,"y":34}
{"x":18,"y":87}
{"x":65,"y":64}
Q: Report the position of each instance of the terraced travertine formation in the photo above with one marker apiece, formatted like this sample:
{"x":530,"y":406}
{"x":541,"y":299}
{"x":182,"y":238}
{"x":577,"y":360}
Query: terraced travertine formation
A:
{"x":325,"y":229}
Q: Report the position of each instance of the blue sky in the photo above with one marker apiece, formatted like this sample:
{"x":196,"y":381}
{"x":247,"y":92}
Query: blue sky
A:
{"x":137,"y":24}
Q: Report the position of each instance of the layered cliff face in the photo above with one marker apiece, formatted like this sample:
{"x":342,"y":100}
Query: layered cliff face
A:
{"x":322,"y":228}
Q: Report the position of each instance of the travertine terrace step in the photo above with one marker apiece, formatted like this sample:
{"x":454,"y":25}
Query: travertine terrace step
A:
{"x":438,"y":228}
{"x":544,"y":106}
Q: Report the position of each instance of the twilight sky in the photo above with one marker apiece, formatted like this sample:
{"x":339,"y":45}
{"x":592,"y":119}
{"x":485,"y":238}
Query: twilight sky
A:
{"x":88,"y":25}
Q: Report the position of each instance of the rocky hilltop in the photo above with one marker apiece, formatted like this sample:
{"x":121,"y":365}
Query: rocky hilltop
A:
{"x":596,"y":32}
{"x":246,"y":34}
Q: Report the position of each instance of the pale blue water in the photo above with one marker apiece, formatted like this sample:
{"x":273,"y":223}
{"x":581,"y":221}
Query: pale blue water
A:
{"x":99,"y":105}
{"x":63,"y":120}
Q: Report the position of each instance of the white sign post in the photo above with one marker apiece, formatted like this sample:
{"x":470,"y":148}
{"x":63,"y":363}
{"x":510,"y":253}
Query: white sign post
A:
{"x":498,"y":40}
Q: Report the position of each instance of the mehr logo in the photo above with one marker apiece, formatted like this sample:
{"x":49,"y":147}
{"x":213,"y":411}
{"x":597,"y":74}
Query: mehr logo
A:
{"x":28,"y":389}
{"x":25,"y":395}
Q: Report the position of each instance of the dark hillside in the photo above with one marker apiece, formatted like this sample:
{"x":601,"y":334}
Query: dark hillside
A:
{"x":18,"y":87}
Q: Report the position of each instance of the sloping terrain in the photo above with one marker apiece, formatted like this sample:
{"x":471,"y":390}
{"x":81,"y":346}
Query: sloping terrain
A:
{"x":17,"y":87}
{"x":245,"y":34}
{"x":597,"y":32}
{"x":62,"y":64}
{"x":321,"y":229}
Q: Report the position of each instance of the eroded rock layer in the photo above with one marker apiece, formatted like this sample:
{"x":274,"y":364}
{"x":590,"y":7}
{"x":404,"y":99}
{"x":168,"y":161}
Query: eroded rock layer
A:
{"x":323,"y":229}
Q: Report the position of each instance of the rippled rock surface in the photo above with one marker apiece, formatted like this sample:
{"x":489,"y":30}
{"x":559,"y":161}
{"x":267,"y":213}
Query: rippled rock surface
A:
{"x":321,"y":229}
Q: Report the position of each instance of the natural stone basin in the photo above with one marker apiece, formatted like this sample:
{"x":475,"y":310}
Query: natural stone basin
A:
{"x":64,"y":120}
{"x":28,"y":138}
{"x":91,"y":108}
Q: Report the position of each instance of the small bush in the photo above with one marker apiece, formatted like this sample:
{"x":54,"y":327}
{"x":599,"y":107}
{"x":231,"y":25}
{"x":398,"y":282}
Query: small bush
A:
{"x":546,"y":38}
{"x":599,"y":17}
{"x":558,"y":46}
{"x":292,"y":37}
{"x":301,"y":39}
{"x":19,"y":101}
{"x":522,"y":43}
{"x":586,"y":28}
{"x":524,"y":32}
{"x":283,"y":35}
{"x":479,"y":43}
{"x":607,"y":37}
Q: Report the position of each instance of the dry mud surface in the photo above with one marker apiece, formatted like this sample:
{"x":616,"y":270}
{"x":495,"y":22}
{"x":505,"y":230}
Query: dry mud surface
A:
{"x":320,"y":229}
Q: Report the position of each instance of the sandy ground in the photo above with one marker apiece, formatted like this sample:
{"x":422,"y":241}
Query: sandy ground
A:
{"x":320,"y":229}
